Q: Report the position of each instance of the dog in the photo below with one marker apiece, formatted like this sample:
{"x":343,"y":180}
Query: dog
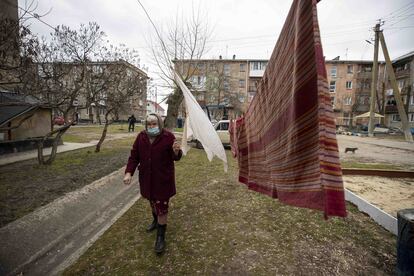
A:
{"x":350,"y":149}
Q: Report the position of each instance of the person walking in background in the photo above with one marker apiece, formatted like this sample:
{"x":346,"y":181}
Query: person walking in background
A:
{"x":153,"y":153}
{"x":131,"y":120}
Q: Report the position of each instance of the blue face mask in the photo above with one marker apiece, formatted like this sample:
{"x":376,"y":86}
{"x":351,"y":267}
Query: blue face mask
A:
{"x":153,"y":131}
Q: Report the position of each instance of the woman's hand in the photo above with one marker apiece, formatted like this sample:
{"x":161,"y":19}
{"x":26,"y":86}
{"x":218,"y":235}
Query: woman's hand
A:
{"x":127,"y":178}
{"x":176,"y":147}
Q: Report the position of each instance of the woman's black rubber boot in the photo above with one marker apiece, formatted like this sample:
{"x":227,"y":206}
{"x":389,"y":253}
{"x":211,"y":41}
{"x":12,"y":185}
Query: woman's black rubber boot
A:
{"x":160,"y":241}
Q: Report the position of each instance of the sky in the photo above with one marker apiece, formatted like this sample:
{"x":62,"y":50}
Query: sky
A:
{"x":245,"y":28}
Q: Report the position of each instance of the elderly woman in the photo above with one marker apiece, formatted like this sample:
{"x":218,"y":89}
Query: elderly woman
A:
{"x":154,"y":152}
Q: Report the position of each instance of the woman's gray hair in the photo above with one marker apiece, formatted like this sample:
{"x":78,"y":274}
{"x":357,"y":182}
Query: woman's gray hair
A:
{"x":154,"y":117}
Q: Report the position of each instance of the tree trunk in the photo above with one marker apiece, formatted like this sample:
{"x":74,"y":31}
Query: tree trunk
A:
{"x":173,"y":102}
{"x":40,"y":145}
{"x":103,"y":136}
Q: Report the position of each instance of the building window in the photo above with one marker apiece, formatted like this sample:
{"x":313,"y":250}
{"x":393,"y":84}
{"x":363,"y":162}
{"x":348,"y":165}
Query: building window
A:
{"x":367,"y":69}
{"x":200,"y":97}
{"x":242,"y":83}
{"x":411,"y":117}
{"x":396,"y":118}
{"x":401,"y":84}
{"x":226,"y":85}
{"x":333,"y":101}
{"x":226,"y":69}
{"x":350,"y":69}
{"x":332,"y":86}
{"x":213,"y":67}
{"x":200,"y":66}
{"x":333,"y":71}
{"x":348,"y":100}
{"x":242,"y":67}
{"x":411,"y":100}
{"x":241,"y":98}
{"x":349,"y":85}
{"x":251,"y":96}
{"x":258,"y":65}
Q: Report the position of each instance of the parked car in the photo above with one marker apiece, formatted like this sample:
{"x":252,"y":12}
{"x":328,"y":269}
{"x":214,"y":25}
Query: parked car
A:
{"x":222,"y":129}
{"x":59,"y":120}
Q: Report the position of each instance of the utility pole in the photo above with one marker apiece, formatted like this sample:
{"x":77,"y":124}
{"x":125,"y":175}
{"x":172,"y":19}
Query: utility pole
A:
{"x":374,"y":84}
{"x":397,"y":96}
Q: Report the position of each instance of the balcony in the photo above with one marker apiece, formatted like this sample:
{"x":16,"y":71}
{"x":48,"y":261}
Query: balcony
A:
{"x":362,"y":108}
{"x":364,"y":75}
{"x":256,"y":73}
{"x":391,"y":109}
{"x":402,"y":74}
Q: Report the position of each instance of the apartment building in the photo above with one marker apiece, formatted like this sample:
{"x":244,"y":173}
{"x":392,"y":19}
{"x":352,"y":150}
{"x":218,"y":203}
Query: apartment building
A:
{"x":404,"y":74}
{"x":350,"y":89}
{"x":224,"y":87}
{"x":94,"y":81}
{"x":230,"y":85}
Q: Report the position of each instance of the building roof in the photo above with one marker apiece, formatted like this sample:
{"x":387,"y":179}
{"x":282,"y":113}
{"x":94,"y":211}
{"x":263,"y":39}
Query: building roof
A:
{"x":219,"y":60}
{"x":8,"y":113}
{"x":352,"y":61}
{"x":408,"y":55}
{"x":157,"y":106}
{"x":104,"y":62}
{"x":14,"y":105}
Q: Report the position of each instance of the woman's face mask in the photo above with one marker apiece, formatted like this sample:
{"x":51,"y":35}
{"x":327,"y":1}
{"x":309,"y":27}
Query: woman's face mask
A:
{"x":152,"y":128}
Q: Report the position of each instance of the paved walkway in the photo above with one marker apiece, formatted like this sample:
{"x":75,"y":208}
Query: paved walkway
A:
{"x":50,"y":239}
{"x":31,"y":154}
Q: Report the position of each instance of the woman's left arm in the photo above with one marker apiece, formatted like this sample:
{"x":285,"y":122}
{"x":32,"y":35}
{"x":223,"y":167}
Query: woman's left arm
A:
{"x":177,"y":153}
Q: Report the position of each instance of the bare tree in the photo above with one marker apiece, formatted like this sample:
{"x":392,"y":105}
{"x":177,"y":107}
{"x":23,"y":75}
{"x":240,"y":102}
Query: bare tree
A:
{"x":124,"y":83}
{"x":184,"y":40}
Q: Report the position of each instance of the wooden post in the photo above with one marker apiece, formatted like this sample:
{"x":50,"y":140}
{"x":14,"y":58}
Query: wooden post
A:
{"x":371,"y":124}
{"x":397,"y":96}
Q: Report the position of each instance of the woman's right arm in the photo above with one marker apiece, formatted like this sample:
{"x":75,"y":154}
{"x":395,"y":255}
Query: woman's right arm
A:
{"x":133,"y":159}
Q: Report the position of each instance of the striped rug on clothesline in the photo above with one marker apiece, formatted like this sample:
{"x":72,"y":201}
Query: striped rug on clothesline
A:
{"x":286,"y":144}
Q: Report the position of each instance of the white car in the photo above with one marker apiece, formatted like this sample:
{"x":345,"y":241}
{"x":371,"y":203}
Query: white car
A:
{"x":222,"y":129}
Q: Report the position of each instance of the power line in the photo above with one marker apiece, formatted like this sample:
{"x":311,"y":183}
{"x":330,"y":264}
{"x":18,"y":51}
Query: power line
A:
{"x":36,"y":16}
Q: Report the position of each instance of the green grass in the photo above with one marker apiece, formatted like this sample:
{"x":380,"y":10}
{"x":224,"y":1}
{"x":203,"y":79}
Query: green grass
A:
{"x":378,"y":166}
{"x":218,"y":227}
{"x":84,"y":134}
{"x":73,"y":138}
{"x":178,"y":129}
